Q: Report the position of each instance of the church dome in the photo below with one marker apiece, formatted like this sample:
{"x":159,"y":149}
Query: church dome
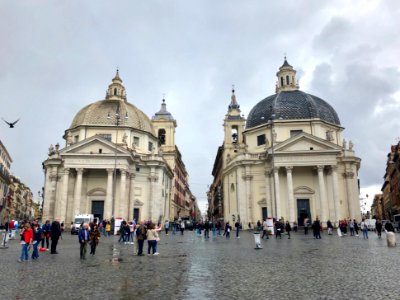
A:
{"x":289,"y":103}
{"x":103,"y":113}
{"x":96,"y":114}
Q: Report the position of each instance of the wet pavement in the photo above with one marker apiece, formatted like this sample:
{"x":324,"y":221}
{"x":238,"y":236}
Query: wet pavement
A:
{"x":190,"y":267}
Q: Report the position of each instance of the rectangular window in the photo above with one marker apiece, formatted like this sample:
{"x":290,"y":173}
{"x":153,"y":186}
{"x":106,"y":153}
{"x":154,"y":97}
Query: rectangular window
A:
{"x":295,"y":132}
{"x":105,"y":136}
{"x":136,"y":141}
{"x":76,"y":138}
{"x":261,"y":140}
{"x":150,"y":146}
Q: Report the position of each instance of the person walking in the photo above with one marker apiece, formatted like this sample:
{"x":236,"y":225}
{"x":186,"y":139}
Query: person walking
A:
{"x":182,"y":226}
{"x":278,"y":229}
{"x":237,"y":226}
{"x":37,"y":237}
{"x":265,"y":229}
{"x":306,"y":223}
{"x":364,"y":228}
{"x":152,"y":239}
{"x":317,"y":229}
{"x":330,"y":227}
{"x":55,"y":234}
{"x":356,"y":228}
{"x":206,"y":229}
{"x":94,"y":237}
{"x":108,"y":228}
{"x":351,"y":227}
{"x":141,"y":236}
{"x":26,"y":240}
{"x":288,"y":228}
{"x":166,"y":227}
{"x":84,"y":238}
{"x":378,"y":226}
{"x":46,"y":229}
{"x":228,"y":229}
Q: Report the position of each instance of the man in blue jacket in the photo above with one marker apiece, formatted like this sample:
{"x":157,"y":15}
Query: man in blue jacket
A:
{"x":84,"y":237}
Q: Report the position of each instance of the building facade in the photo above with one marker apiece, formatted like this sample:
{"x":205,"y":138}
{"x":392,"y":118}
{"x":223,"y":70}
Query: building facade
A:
{"x":288,"y":160}
{"x":114,"y":163}
{"x":5,"y":165}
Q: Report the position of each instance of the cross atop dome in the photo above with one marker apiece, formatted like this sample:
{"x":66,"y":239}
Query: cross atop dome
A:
{"x":116,"y":90}
{"x":286,"y":78}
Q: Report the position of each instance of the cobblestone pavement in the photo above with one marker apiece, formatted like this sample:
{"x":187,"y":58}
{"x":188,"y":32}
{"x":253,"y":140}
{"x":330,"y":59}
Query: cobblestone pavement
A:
{"x":190,"y":267}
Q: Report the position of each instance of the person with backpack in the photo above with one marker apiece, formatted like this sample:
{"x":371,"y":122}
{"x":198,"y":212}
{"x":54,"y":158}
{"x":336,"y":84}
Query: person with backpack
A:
{"x":141,"y":236}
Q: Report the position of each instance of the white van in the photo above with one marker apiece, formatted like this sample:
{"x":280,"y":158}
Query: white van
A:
{"x":78,"y":220}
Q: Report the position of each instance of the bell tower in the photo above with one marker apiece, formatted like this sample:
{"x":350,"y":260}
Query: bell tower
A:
{"x":234,"y":125}
{"x":164,"y":126}
{"x":116,"y":90}
{"x":286,"y":78}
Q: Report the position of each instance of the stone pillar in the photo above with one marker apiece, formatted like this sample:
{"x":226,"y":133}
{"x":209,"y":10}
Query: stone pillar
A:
{"x":335,"y":188}
{"x":108,"y":203}
{"x":46,"y":196}
{"x":349,"y":178}
{"x":78,"y":192}
{"x":123,"y":201}
{"x":132,"y":197}
{"x":249,"y":197}
{"x":277,"y":192}
{"x":153,"y":178}
{"x":269,"y":194}
{"x":62,"y":208}
{"x":291,"y":216}
{"x":322,"y":195}
{"x":53,"y":192}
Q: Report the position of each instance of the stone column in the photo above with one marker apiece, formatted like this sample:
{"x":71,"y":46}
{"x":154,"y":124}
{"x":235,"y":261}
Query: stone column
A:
{"x":153,"y":178}
{"x":249,"y":196}
{"x":335,"y":187}
{"x":78,"y":192}
{"x":349,"y":178}
{"x":277,"y":196}
{"x":108,"y":203}
{"x":53,"y":192}
{"x":322,"y":194}
{"x":123,"y":201}
{"x":269,"y":194}
{"x":46,"y":201}
{"x":62,"y":212}
{"x":291,"y":216}
{"x":132,"y":197}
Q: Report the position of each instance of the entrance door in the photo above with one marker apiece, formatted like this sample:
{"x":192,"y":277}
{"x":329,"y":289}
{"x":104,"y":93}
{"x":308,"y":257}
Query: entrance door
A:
{"x":303,"y":211}
{"x":98,"y":209}
{"x":136,"y":214}
{"x":264,"y":213}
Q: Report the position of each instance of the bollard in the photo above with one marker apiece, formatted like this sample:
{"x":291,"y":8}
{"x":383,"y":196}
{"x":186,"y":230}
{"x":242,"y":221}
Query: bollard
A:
{"x":257,"y":240}
{"x":391,"y":239}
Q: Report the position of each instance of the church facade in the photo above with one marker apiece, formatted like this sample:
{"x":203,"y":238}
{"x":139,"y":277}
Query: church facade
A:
{"x":288,"y":160}
{"x":113,"y":163}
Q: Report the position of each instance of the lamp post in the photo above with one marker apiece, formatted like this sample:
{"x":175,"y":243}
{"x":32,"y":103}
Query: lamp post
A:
{"x":117,"y":120}
{"x":41,"y":196}
{"x":271,"y":124}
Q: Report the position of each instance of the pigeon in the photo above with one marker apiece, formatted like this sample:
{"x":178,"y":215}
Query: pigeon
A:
{"x":11,"y":124}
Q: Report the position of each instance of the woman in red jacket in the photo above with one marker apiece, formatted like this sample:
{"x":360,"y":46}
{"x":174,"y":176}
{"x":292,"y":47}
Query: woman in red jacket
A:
{"x":26,"y":240}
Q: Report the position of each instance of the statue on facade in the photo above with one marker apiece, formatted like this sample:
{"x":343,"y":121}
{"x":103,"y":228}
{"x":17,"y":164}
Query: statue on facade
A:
{"x":69,"y":138}
{"x":344,"y":144}
{"x":57,"y":148}
{"x":125,"y":139}
{"x":51,"y":150}
{"x":351,"y":145}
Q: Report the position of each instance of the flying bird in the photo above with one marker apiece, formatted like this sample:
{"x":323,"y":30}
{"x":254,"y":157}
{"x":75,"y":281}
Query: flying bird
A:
{"x":10,"y":124}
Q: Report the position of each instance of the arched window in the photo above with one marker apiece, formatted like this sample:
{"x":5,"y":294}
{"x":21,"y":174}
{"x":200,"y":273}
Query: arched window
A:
{"x":115,"y":92}
{"x":232,"y":187}
{"x":161,"y":136}
{"x":287,"y":79}
{"x":282,"y":81}
{"x":234,"y":133}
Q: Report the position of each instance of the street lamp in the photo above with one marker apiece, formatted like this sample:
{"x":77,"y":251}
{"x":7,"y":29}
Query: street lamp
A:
{"x":117,"y":119}
{"x":271,"y":124}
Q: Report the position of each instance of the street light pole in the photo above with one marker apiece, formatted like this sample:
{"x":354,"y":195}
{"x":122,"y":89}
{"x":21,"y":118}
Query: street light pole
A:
{"x":117,"y":123}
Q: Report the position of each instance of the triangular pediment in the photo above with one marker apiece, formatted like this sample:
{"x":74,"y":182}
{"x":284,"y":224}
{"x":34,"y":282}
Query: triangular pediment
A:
{"x":306,"y":142}
{"x":94,"y":145}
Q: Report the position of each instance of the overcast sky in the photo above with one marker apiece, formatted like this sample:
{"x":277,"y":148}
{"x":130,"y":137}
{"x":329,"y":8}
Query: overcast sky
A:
{"x":58,"y":56}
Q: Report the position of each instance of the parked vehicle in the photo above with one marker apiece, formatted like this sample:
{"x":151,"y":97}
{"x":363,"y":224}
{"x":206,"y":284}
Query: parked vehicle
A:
{"x":78,"y":220}
{"x":371,"y":224}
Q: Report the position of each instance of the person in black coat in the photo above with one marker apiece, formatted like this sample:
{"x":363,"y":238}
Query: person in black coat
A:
{"x":288,"y":228}
{"x":55,"y":234}
{"x":389,"y":227}
{"x":378,"y":226}
{"x":317,"y":228}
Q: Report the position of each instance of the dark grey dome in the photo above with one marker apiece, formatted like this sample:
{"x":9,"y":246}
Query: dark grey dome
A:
{"x":291,"y":105}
